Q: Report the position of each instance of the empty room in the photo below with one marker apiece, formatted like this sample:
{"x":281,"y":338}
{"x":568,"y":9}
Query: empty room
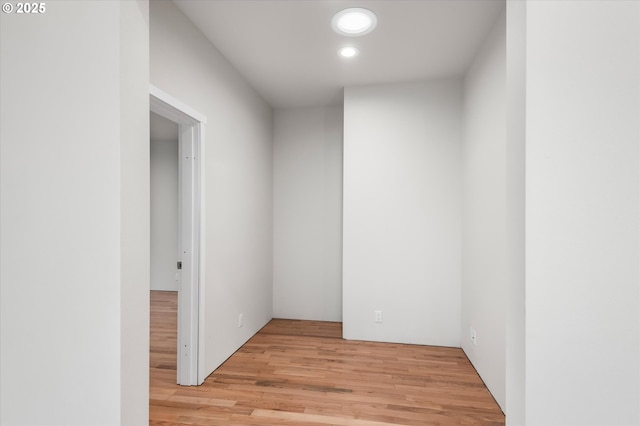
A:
{"x":320,"y":212}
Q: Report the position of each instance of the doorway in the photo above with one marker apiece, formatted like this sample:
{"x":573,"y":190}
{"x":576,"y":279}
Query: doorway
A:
{"x":190,"y":230}
{"x":164,"y":156}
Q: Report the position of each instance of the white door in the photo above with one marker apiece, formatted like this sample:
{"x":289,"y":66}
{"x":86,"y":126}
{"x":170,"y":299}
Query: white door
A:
{"x":190,"y":233}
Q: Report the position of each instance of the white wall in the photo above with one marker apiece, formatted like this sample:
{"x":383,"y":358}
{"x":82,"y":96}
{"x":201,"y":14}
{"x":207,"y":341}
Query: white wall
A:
{"x":484,"y":227}
{"x":402,"y":215}
{"x":515,"y":218}
{"x":307,"y":203}
{"x":238,"y":183}
{"x":134,"y":210}
{"x":582,"y":213}
{"x":164,"y":206}
{"x":74,"y":215}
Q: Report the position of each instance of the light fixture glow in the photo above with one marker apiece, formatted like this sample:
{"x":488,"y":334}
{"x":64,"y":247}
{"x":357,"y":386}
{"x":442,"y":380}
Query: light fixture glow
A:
{"x":348,"y":52}
{"x":354,"y":22}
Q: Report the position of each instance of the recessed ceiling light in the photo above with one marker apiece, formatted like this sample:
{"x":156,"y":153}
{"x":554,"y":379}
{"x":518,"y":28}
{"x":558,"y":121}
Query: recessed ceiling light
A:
{"x":348,"y":52}
{"x":354,"y":22}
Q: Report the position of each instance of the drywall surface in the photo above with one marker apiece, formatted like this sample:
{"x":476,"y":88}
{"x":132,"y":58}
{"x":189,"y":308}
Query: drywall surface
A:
{"x":307,"y":198}
{"x":402,"y":218}
{"x":238,"y":186}
{"x":164,"y":209}
{"x":515,"y":217}
{"x":73,"y":243}
{"x":582,"y":213}
{"x":134,"y":211}
{"x":484,"y":226}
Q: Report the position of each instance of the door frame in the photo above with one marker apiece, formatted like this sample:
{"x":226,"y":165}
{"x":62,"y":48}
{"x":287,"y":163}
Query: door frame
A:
{"x":191,"y":233}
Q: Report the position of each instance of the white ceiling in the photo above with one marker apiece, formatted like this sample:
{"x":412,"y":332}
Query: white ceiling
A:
{"x":287,"y":50}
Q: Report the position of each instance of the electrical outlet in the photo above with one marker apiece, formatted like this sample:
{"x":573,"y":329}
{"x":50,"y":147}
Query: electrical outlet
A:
{"x":240,"y":318}
{"x":473,"y":336}
{"x":378,"y":316}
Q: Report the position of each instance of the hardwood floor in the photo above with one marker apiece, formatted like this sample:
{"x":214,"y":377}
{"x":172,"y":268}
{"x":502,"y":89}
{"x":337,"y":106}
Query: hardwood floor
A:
{"x":303,"y":373}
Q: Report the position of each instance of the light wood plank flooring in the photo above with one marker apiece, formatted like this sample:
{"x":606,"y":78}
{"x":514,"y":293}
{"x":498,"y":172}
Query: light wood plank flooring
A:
{"x":303,"y":373}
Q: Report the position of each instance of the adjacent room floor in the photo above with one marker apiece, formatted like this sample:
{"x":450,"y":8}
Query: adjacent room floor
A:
{"x":303,"y":373}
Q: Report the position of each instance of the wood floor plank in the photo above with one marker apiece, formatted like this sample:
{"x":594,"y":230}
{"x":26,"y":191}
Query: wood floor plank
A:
{"x":303,"y":373}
